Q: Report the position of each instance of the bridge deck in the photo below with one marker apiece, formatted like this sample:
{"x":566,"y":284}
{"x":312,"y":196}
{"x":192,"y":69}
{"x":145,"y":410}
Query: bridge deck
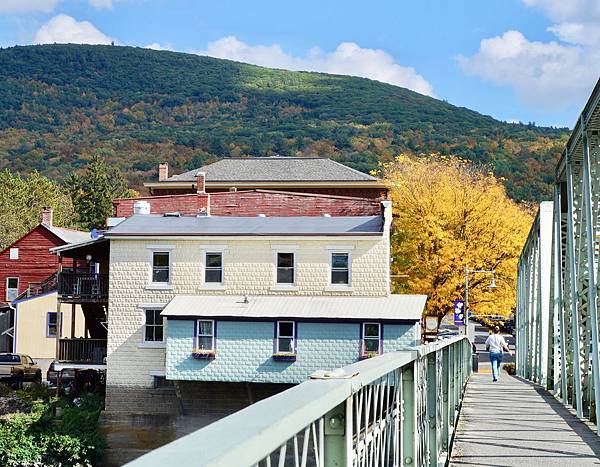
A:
{"x":514,"y":423}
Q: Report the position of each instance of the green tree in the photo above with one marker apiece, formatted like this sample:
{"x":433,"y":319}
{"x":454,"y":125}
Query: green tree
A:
{"x":93,"y":190}
{"x":21,"y":203}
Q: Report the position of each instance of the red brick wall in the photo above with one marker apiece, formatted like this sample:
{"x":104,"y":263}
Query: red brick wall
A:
{"x":35,"y":262}
{"x":254,"y":202}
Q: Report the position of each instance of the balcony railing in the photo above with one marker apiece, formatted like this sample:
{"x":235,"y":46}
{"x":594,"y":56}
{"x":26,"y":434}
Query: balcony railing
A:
{"x":82,"y":351}
{"x":396,"y":409}
{"x":82,"y":287}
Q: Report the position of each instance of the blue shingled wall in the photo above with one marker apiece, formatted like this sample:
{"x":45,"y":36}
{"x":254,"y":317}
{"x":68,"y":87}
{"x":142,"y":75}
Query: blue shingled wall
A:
{"x":245,"y":348}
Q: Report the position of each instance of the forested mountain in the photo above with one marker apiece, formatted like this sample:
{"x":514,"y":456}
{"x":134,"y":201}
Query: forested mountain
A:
{"x":59,"y":104}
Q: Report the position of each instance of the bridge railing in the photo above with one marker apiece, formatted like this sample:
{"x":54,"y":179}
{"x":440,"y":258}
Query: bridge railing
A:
{"x":397,"y":409}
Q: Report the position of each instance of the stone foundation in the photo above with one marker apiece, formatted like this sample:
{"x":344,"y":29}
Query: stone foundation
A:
{"x":137,"y":420}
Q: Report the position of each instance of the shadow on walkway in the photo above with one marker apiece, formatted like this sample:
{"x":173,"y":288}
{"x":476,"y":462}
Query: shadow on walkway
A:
{"x":516,"y":423}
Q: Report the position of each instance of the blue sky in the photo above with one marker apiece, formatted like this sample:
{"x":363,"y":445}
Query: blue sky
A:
{"x":517,"y":60}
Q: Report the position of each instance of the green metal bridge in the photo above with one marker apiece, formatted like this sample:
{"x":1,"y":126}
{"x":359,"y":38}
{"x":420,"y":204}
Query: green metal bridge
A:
{"x":397,"y":409}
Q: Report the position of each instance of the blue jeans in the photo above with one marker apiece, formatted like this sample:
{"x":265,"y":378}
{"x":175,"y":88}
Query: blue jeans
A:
{"x":496,"y":361}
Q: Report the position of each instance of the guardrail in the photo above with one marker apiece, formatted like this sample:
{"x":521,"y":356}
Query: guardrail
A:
{"x":82,"y":287}
{"x":397,"y":409}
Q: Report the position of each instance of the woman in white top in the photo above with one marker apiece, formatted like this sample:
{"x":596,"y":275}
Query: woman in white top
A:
{"x":495,"y":345}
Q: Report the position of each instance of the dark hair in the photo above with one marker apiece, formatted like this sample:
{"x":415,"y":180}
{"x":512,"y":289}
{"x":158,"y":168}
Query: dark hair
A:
{"x":496,"y":329}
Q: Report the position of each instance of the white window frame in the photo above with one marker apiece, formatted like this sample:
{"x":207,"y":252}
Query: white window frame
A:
{"x":159,"y":249}
{"x":212,"y":335}
{"x":212,"y":249}
{"x":285,"y":286}
{"x":12,"y":288}
{"x":344,"y":249}
{"x":13,"y":254}
{"x":364,"y":337}
{"x":278,"y":336}
{"x":152,"y":344}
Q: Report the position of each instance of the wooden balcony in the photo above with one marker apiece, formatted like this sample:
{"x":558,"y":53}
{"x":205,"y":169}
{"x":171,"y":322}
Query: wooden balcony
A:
{"x":82,"y":287}
{"x":92,"y":351}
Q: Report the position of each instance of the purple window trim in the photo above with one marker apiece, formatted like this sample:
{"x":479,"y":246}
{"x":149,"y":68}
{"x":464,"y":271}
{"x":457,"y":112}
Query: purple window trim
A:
{"x":48,"y":313}
{"x":214,"y":333}
{"x":361,"y":339}
{"x":276,"y":337}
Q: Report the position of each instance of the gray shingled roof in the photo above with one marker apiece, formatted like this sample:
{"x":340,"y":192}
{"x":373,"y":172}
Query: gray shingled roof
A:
{"x":160,"y":225}
{"x":68,"y":235}
{"x":275,"y":169}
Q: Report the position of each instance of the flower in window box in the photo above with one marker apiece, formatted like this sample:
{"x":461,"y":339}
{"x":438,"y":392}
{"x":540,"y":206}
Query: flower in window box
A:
{"x":368,"y":354}
{"x":284,"y":357}
{"x":203,"y":354}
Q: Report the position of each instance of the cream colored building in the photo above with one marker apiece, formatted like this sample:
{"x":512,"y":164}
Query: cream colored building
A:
{"x":248,"y":267}
{"x":35,"y":327}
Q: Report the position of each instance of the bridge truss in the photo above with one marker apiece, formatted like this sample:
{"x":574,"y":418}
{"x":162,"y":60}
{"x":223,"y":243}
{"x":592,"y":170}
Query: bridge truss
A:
{"x":558,"y":277}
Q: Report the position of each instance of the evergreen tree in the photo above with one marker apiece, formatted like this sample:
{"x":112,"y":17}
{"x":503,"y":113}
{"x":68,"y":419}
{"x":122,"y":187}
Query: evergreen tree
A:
{"x":93,"y":190}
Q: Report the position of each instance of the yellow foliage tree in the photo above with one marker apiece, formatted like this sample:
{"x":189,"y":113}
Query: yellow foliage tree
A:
{"x":449,"y":214}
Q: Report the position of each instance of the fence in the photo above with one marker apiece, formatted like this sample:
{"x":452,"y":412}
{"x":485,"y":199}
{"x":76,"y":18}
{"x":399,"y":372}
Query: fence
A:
{"x":397,"y":409}
{"x":82,"y":350}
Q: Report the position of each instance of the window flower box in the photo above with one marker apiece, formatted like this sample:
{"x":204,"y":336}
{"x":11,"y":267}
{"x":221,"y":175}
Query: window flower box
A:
{"x":202,"y":354}
{"x":284,"y":357}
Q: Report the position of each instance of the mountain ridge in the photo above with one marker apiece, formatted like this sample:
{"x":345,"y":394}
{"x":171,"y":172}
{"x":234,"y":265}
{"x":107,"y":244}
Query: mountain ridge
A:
{"x":61,"y":103}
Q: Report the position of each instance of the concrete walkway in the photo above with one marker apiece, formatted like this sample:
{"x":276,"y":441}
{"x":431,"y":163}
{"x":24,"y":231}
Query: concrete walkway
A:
{"x":515,"y":423}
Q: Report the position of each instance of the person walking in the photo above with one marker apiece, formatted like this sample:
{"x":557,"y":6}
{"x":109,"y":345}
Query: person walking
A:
{"x":495,"y":344}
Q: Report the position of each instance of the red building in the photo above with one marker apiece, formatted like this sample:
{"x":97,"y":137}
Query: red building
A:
{"x":28,"y":261}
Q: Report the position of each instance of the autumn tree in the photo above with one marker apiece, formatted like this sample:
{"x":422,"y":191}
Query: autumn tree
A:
{"x":449,"y":214}
{"x":21,"y":203}
{"x":93,"y":190}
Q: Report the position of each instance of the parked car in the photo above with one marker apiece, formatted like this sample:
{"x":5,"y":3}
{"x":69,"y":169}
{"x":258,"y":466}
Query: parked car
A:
{"x":18,"y":368}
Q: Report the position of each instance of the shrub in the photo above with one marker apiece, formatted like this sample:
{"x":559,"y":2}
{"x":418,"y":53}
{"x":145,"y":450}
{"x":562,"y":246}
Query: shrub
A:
{"x":42,"y":438}
{"x":510,"y":368}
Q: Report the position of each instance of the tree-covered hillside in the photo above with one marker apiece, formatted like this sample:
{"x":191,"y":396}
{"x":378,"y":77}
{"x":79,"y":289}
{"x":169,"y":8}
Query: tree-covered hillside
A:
{"x":60,"y":103}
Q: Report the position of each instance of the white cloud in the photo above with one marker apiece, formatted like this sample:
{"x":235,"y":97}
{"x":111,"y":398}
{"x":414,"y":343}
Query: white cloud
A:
{"x":65,"y":29}
{"x":157,"y":46}
{"x":545,"y":75}
{"x":347,"y":59}
{"x":101,"y":4}
{"x":567,"y":10}
{"x":26,"y":6}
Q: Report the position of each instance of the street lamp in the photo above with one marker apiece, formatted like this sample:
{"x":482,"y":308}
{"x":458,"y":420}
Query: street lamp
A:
{"x":491,"y":286}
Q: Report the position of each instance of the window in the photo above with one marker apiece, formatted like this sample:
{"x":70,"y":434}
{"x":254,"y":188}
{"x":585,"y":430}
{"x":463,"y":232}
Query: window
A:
{"x":161,"y":382}
{"x":285,"y":268}
{"x":12,"y":288}
{"x":340,"y":271}
{"x":51,"y":324}
{"x":154,"y":326}
{"x":160,"y":266}
{"x":205,"y":335}
{"x":371,"y":338}
{"x":213,"y":271}
{"x":286,"y":337}
{"x":13,"y":253}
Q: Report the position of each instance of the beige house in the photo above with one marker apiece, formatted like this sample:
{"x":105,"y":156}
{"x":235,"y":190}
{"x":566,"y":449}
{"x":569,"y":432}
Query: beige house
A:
{"x":36,"y":326}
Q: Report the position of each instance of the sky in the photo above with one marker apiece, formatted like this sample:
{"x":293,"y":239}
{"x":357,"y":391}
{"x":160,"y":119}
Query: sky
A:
{"x":516,"y":60}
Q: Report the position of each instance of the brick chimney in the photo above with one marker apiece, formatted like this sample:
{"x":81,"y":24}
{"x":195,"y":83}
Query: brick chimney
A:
{"x":47,"y":215}
{"x":201,"y":182}
{"x":163,"y":171}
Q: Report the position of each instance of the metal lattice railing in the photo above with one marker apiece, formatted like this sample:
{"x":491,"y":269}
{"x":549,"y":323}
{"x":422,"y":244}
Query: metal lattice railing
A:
{"x":557,"y":317}
{"x":397,"y":409}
